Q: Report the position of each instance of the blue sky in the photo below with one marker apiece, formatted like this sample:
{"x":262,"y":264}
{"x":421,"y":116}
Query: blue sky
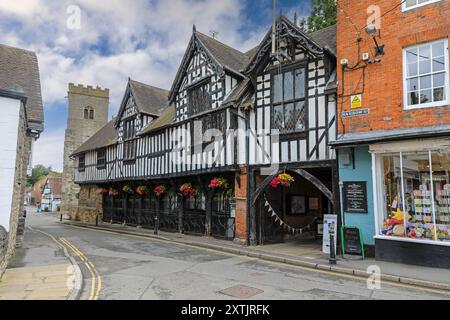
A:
{"x":117,"y":39}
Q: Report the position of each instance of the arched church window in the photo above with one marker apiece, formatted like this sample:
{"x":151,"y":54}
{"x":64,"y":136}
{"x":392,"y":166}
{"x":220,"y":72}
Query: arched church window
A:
{"x":89,"y":113}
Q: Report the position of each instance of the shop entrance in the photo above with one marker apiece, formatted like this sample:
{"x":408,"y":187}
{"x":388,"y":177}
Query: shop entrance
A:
{"x":294,"y":214}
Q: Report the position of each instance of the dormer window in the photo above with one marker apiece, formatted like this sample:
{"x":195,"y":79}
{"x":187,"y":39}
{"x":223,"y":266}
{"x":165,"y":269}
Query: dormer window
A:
{"x":199,"y":97}
{"x":89,"y":113}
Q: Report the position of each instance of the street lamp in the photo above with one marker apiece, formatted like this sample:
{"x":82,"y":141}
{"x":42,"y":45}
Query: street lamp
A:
{"x":372,"y":30}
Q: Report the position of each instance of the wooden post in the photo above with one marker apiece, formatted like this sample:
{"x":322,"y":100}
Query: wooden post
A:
{"x":141,"y":206}
{"x":125,"y":208}
{"x":182,"y":201}
{"x":208,"y":207}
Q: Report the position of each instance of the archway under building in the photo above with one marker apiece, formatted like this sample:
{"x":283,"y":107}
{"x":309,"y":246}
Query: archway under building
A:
{"x":294,"y":215}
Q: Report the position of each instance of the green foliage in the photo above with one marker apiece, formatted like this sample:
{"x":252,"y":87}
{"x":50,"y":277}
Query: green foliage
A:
{"x":39,"y":172}
{"x":323,"y":14}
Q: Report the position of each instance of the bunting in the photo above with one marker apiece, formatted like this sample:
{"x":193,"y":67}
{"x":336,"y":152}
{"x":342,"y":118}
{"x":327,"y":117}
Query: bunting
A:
{"x":283,"y":224}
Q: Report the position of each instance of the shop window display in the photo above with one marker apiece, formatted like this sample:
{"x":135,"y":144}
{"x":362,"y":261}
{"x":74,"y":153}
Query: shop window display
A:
{"x":416,"y":195}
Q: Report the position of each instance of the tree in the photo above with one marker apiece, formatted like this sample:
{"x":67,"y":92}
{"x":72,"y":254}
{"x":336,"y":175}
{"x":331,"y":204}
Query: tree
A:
{"x":38,"y":172}
{"x":323,"y":14}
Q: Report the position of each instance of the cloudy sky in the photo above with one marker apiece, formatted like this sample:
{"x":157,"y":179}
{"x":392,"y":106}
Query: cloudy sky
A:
{"x":117,"y":39}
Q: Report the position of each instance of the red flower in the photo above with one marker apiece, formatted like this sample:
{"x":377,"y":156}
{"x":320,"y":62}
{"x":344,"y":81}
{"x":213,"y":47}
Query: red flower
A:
{"x":275,"y":182}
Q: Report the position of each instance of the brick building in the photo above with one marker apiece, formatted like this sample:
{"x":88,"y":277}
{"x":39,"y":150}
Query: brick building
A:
{"x":393,"y":140}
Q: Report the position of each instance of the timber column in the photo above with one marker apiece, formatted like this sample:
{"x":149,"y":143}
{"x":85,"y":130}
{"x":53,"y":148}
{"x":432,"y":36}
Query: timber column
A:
{"x":88,"y":113}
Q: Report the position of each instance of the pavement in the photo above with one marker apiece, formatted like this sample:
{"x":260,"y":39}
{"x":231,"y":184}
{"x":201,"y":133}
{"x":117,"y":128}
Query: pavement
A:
{"x":40,"y":270}
{"x":304,"y":255}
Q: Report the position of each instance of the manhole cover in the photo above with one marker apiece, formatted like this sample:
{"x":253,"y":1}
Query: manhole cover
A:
{"x":241,"y":292}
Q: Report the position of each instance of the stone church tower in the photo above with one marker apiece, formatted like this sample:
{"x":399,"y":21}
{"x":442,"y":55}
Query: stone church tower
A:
{"x":88,"y":113}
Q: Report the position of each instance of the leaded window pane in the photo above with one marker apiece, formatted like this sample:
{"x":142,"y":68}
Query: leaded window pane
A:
{"x":277,"y":88}
{"x":288,"y":86}
{"x":299,"y":83}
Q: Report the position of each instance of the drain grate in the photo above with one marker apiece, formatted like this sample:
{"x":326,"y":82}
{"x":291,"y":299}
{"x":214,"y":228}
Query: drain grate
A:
{"x":241,"y":292}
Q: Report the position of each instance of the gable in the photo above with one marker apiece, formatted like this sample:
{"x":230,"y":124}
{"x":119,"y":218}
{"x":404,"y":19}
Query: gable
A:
{"x":291,"y":43}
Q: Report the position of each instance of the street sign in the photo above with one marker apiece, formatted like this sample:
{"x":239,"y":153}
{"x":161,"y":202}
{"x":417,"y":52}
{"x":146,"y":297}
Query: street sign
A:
{"x":354,"y":113}
{"x":329,"y":224}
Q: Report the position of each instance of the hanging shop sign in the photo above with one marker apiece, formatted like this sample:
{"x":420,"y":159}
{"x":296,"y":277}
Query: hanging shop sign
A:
{"x":329,"y":224}
{"x":354,"y":113}
{"x":356,"y":101}
{"x":352,"y":241}
{"x":355,"y":197}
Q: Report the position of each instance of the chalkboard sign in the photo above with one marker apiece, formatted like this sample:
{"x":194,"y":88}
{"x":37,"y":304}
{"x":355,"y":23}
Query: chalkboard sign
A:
{"x":355,"y":197}
{"x":352,"y":243}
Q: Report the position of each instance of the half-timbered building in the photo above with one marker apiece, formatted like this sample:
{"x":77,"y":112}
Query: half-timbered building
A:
{"x":230,"y":123}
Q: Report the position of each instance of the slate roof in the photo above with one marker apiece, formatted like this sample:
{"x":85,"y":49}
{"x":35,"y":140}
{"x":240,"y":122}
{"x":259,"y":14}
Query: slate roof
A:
{"x":149,"y":100}
{"x":166,"y":118}
{"x":19,"y":69}
{"x":106,"y":136}
{"x":225,"y":55}
{"x":326,"y":38}
{"x":55,"y":185}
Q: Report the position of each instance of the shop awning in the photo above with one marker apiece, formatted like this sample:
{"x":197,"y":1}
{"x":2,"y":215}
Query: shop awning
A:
{"x":364,"y":138}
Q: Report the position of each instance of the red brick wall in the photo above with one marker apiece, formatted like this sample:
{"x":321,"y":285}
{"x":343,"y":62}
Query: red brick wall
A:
{"x":241,"y":206}
{"x":383,"y":92}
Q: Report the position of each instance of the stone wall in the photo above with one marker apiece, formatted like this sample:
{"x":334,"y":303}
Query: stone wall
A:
{"x":77,"y":132}
{"x":8,"y":241}
{"x":90,"y":203}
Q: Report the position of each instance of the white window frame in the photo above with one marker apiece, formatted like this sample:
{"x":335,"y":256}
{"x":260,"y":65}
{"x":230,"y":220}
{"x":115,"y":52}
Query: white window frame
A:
{"x":404,"y":8}
{"x":444,"y":102}
{"x":377,"y":184}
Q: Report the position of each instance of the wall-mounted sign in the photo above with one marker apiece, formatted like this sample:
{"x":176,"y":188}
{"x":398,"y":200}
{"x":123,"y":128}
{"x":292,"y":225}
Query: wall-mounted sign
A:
{"x":355,"y":197}
{"x":354,"y":113}
{"x":352,"y":244}
{"x":356,"y":101}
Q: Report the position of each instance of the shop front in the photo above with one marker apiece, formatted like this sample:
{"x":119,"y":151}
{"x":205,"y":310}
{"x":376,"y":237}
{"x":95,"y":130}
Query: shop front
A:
{"x":411,"y":191}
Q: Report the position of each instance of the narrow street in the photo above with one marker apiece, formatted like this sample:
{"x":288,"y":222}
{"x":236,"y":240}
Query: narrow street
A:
{"x":132,"y":267}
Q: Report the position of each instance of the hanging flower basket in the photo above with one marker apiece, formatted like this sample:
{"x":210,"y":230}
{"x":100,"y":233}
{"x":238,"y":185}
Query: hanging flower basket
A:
{"x":102,"y":191}
{"x":113,"y":192}
{"x":128,"y":189}
{"x":143,"y":190}
{"x":187,"y":190}
{"x":159,"y":190}
{"x":218,"y":183}
{"x":283,"y":179}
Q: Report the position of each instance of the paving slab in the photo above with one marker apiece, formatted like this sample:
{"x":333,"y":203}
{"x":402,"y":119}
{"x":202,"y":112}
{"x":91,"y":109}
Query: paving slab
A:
{"x":40,"y":270}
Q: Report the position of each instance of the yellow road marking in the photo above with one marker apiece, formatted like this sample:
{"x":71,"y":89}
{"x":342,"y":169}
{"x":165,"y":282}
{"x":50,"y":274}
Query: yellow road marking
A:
{"x":96,"y":283}
{"x":359,"y":278}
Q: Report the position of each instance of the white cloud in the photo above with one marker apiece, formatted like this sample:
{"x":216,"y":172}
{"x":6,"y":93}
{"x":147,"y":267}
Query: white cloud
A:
{"x":49,"y":150}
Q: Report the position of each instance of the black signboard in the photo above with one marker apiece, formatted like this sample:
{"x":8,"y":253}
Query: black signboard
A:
{"x":352,"y":243}
{"x":355,"y":197}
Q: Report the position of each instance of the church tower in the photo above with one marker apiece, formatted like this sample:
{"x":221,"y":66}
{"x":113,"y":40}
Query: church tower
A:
{"x":88,"y":113}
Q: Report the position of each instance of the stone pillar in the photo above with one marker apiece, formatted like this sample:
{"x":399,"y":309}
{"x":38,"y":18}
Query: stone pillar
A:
{"x":241,"y":194}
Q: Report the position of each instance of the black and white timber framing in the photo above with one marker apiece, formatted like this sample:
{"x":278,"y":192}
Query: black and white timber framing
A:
{"x":170,"y":144}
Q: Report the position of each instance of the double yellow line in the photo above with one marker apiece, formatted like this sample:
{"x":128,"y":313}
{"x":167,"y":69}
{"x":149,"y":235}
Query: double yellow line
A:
{"x":96,"y":282}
